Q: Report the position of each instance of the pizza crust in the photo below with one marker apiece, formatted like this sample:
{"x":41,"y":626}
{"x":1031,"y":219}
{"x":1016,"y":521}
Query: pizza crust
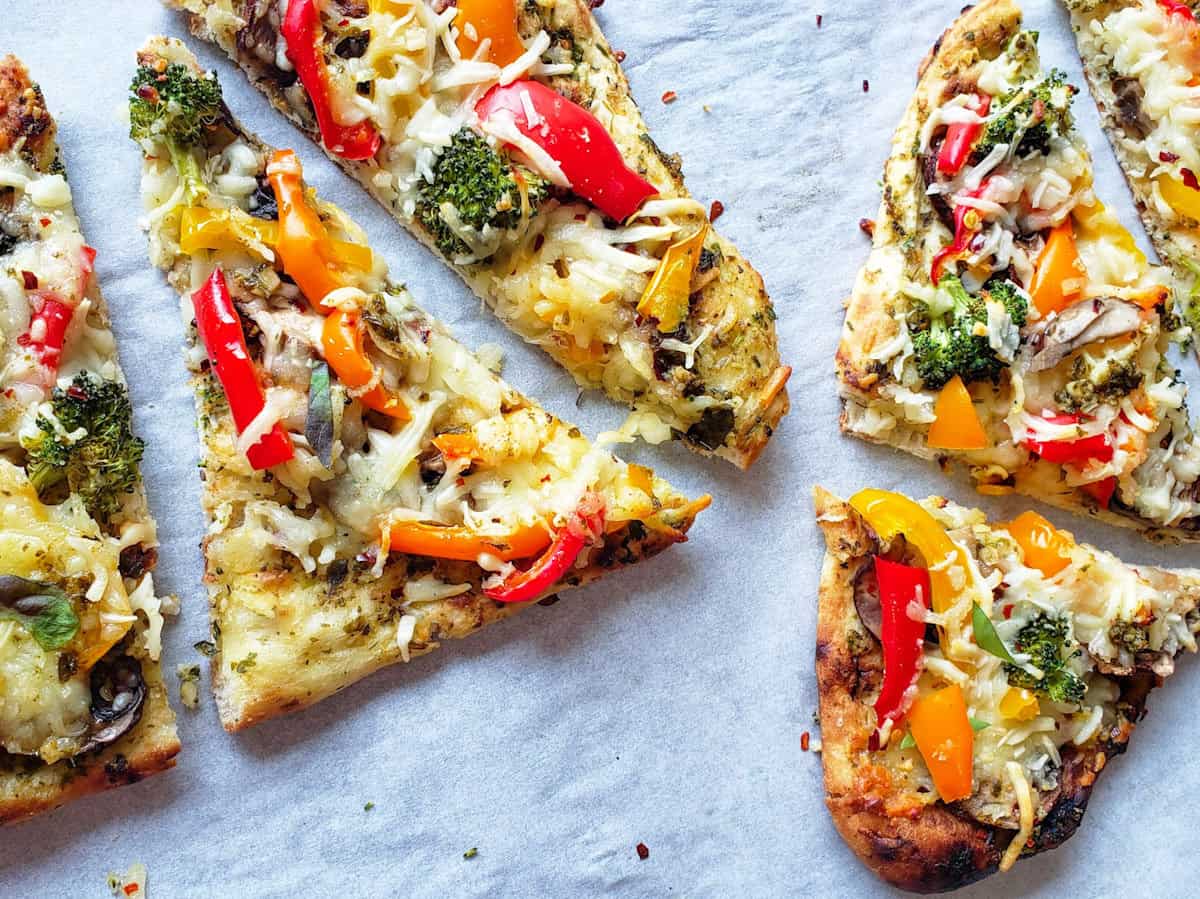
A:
{"x":738,"y":284}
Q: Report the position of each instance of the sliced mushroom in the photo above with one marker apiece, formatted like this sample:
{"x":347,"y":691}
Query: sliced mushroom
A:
{"x":866,"y":599}
{"x":1059,"y":335}
{"x":118,"y":694}
{"x":1129,"y":95}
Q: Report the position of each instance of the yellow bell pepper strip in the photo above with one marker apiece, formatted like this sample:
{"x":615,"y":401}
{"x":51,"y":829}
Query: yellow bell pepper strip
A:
{"x":902,"y":591}
{"x":668,"y":295}
{"x":304,"y":247}
{"x":586,"y":525}
{"x":233,"y":229}
{"x":942,"y":731}
{"x":1043,"y":546}
{"x":1019,"y":704}
{"x":1058,"y":278}
{"x":957,"y":425}
{"x":342,"y":346}
{"x":419,"y":538}
{"x":304,"y":33}
{"x":494,"y":21}
{"x":1176,"y":194}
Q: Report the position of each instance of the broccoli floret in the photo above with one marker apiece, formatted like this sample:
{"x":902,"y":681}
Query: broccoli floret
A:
{"x":91,"y":447}
{"x":482,"y":188}
{"x":956,"y":342}
{"x":1046,"y":641}
{"x":1036,"y":115}
{"x":1096,"y":381}
{"x":1128,"y":635}
{"x":178,"y":108}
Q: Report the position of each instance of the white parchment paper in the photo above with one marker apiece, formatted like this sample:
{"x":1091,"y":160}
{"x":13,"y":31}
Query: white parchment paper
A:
{"x":664,"y":705}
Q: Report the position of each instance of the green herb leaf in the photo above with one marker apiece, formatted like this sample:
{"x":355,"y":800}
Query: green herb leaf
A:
{"x":908,"y":742}
{"x":368,"y":806}
{"x":986,"y":636}
{"x":978,"y":725}
{"x":43,"y":609}
{"x":56,"y":625}
{"x":471,"y":853}
{"x":318,"y":426}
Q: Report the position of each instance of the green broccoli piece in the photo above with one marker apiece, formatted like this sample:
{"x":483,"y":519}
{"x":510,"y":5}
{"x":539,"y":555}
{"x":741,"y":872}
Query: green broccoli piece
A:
{"x":1097,"y":381}
{"x":956,"y":343}
{"x":1046,"y":641}
{"x":480,"y":185}
{"x":1130,"y":636}
{"x":91,"y":448}
{"x":177,"y":108}
{"x":1033,"y":116}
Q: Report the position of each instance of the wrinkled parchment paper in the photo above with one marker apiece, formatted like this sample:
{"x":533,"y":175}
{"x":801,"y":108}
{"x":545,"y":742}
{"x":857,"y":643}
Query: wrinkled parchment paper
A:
{"x":663,"y":706}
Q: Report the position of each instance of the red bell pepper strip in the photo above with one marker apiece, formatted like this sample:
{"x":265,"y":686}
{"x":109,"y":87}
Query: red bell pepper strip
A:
{"x":967,"y":223}
{"x":570,"y":135}
{"x":48,"y":329}
{"x":1101,"y":491}
{"x":220,"y":329}
{"x":568,"y":543}
{"x":1177,"y":8}
{"x":1081,"y":451}
{"x":900,"y":586}
{"x":960,"y":138}
{"x":303,"y":31}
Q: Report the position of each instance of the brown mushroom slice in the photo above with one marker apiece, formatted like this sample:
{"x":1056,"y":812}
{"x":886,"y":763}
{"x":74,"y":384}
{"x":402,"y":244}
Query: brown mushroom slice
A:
{"x":866,"y":599}
{"x":1089,"y":321}
{"x":118,"y":694}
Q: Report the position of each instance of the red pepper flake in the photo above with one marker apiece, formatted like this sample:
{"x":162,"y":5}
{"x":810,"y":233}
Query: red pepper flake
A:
{"x":1007,"y":612}
{"x":343,"y":23}
{"x":643,"y":851}
{"x":866,"y":86}
{"x":804,"y":738}
{"x":595,"y":4}
{"x":45,"y":222}
{"x":1189,"y":178}
{"x":30,"y":280}
{"x":819,"y":18}
{"x":130,"y":889}
{"x":670,"y":97}
{"x":619,"y":55}
{"x":867,"y":227}
{"x":716,"y":210}
{"x":1168,"y":156}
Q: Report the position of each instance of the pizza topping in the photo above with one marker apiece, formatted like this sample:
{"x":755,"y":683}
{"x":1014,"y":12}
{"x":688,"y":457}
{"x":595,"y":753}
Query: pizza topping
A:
{"x":667,"y":296}
{"x":904,"y":594}
{"x":1059,"y":278}
{"x":493,"y":22}
{"x":1043,"y":546}
{"x":961,"y":137}
{"x":957,"y":425}
{"x":942,"y":731}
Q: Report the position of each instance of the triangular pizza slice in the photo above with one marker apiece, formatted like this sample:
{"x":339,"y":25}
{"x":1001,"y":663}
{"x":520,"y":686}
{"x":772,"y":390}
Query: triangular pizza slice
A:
{"x":1005,"y":319}
{"x":373,"y":488}
{"x":502,"y":134}
{"x":83,"y":706}
{"x":976,"y":678}
{"x":1142,"y":61}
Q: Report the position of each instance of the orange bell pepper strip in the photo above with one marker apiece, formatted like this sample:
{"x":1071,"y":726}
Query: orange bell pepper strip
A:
{"x":303,"y":244}
{"x":491,"y":20}
{"x":1059,"y":277}
{"x":342,"y":345}
{"x":1043,"y":546}
{"x":957,"y":426}
{"x":462,"y":543}
{"x":942,"y":731}
{"x":233,"y":229}
{"x":457,"y":446}
{"x":668,"y":294}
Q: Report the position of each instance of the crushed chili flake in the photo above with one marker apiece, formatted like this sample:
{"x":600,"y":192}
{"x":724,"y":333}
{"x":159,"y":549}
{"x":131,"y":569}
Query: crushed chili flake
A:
{"x":1007,"y":612}
{"x":595,"y":4}
{"x":670,"y":97}
{"x":130,"y":889}
{"x":819,"y":18}
{"x":866,"y":86}
{"x":716,"y":210}
{"x":804,"y":738}
{"x":1168,"y":156}
{"x":619,"y":55}
{"x":643,"y":851}
{"x":867,"y":227}
{"x":45,"y":222}
{"x":1189,"y":178}
{"x":30,"y":280}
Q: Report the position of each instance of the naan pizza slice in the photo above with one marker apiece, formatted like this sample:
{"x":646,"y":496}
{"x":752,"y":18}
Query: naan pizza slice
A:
{"x":373,"y":488}
{"x":975,"y":679}
{"x":1005,"y":319}
{"x":83,"y":707}
{"x":504,"y":136}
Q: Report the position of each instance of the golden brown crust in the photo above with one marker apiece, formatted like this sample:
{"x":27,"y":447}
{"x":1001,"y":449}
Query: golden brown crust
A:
{"x":935,"y":847}
{"x":738,"y":284}
{"x":24,"y":119}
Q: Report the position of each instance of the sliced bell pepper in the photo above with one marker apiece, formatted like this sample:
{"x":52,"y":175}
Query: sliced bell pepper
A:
{"x":1019,"y":704}
{"x":304,"y":33}
{"x":457,"y":446}
{"x":967,"y":223}
{"x":903,"y":637}
{"x":1101,"y":491}
{"x":462,"y":543}
{"x":342,"y":346}
{"x":303,"y":244}
{"x":233,"y":229}
{"x":584,"y":526}
{"x":220,"y":329}
{"x":1059,"y":277}
{"x":494,"y":21}
{"x":47,"y":329}
{"x":1177,"y":8}
{"x":584,"y":151}
{"x":942,"y":731}
{"x":1043,"y":546}
{"x":957,"y":425}
{"x":667,"y":297}
{"x":1080,"y":452}
{"x":961,"y":137}
{"x":1176,"y":194}
{"x":890,"y":514}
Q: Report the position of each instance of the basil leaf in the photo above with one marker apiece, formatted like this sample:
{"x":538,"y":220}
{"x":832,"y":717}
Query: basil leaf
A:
{"x":318,"y":425}
{"x":978,"y":725}
{"x":43,"y":609}
{"x":908,"y":742}
{"x":987,"y":638}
